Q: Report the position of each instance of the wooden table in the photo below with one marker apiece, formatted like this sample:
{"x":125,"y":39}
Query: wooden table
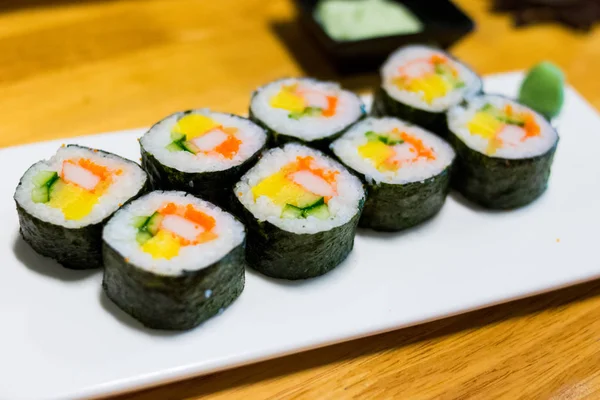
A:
{"x":75,"y":69}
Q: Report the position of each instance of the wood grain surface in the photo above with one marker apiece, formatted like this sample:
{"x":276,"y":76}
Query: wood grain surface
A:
{"x":70,"y":68}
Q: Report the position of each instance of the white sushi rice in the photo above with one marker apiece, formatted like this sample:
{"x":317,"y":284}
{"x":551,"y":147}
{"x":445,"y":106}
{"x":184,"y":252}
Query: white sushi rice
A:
{"x":120,"y":234}
{"x":123,"y":187}
{"x":460,"y":116}
{"x":342,"y":206}
{"x":400,"y":57}
{"x":346,"y":149}
{"x":155,"y":141}
{"x":349,"y":110}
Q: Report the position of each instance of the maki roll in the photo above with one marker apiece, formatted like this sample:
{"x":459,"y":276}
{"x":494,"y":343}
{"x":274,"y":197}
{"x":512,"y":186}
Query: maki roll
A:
{"x":172,"y":260}
{"x":419,"y":84}
{"x":301,"y":209}
{"x":504,"y":151}
{"x":63,"y":202}
{"x":406,"y":170}
{"x":201,"y":152}
{"x":305,"y":110}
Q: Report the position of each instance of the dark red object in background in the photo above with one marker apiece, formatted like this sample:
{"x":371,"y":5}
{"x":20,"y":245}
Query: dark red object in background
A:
{"x":578,"y":14}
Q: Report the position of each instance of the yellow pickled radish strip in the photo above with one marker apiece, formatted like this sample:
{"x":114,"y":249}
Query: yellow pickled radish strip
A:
{"x":281,"y":191}
{"x":484,"y":125}
{"x":376,"y":151}
{"x":73,"y":201}
{"x":288,"y":100}
{"x":431,"y":86}
{"x":163,"y":245}
{"x":194,"y":125}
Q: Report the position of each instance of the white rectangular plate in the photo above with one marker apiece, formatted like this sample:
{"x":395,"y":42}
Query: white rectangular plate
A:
{"x":60,"y":337}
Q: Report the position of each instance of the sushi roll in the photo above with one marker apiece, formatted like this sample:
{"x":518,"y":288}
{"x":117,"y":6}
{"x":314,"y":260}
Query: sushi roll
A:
{"x":504,"y":151}
{"x":406,"y":170}
{"x":63,"y":202}
{"x":305,"y":110}
{"x":301,"y":209}
{"x":419,"y":84}
{"x":201,"y":152}
{"x":172,"y":260}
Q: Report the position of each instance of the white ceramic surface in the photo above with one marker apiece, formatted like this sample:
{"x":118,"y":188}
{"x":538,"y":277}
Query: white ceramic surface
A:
{"x":61,"y":338}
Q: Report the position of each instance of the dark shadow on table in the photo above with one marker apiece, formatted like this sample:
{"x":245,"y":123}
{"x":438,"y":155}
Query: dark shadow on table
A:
{"x":268,"y":370}
{"x":305,"y":51}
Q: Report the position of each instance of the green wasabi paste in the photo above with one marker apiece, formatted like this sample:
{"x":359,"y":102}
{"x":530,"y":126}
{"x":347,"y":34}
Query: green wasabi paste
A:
{"x":363,"y":19}
{"x":543,"y":89}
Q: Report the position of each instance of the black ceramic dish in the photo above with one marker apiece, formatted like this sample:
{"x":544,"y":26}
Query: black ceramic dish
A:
{"x":444,"y":24}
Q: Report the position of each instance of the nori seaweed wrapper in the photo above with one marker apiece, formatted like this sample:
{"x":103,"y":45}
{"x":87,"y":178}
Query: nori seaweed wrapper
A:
{"x":394,"y":207}
{"x":173,"y":302}
{"x":73,"y":248}
{"x":499,"y":183}
{"x":277,"y":139}
{"x":212,"y":186}
{"x":385,"y":105}
{"x":277,"y":253}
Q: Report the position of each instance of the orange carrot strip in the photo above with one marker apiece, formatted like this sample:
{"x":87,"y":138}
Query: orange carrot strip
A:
{"x":229,"y":147}
{"x":422,"y":150}
{"x":202,"y":219}
{"x":438,"y":59}
{"x":531,"y":127}
{"x":169,"y":209}
{"x":305,"y":163}
{"x":99,"y":170}
{"x":331,"y":106}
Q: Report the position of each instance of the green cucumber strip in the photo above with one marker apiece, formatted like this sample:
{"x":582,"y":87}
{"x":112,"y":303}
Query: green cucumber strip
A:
{"x":291,"y":212}
{"x":153,"y":224}
{"x":321,"y":211}
{"x":140,"y":222}
{"x":487,"y":107}
{"x":189,"y":147}
{"x":390,"y":141}
{"x":317,"y":203}
{"x":445,"y":71}
{"x":143,"y":236}
{"x":178,"y":136}
{"x":40,"y":194}
{"x":500,"y":116}
{"x":175,"y":146}
{"x":312,"y":199}
{"x":45,"y":178}
{"x":510,"y":120}
{"x":307,"y":112}
{"x":372,"y":136}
